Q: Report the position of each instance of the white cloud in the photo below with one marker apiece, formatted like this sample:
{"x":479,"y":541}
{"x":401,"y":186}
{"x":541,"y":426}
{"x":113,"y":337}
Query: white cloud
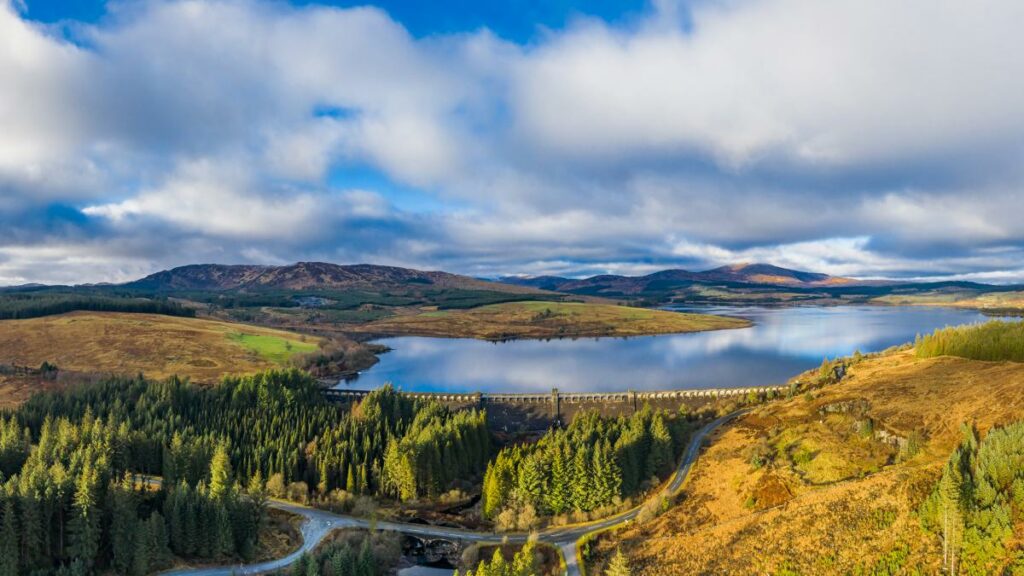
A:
{"x":205,"y":198}
{"x":847,"y":82}
{"x":782,"y":130}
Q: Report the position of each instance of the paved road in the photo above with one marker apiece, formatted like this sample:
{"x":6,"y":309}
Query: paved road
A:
{"x":319,"y":523}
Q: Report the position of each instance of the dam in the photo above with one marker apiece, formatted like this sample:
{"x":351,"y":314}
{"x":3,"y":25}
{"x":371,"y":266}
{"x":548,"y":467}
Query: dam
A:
{"x":535,"y":411}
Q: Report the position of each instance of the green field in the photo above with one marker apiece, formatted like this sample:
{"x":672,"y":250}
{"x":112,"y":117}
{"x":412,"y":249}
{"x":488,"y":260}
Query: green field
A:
{"x":272,"y":348}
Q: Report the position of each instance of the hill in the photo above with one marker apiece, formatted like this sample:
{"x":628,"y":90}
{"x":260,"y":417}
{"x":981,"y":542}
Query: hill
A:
{"x":157,"y":345}
{"x":308,"y":276}
{"x":548,"y":320}
{"x":765,"y":284}
{"x":752,"y":274}
{"x":830,"y":481}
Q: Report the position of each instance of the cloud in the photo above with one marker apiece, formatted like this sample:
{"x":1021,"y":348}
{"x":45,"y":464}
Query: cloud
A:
{"x":855,"y":137}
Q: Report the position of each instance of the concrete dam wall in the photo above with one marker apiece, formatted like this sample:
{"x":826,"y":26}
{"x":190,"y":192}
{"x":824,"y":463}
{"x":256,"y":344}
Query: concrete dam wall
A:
{"x":524,"y":412}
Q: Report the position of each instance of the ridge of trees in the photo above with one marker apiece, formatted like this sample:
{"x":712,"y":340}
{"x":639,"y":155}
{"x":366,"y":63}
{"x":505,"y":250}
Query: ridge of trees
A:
{"x":994,"y":340}
{"x":21,"y":305}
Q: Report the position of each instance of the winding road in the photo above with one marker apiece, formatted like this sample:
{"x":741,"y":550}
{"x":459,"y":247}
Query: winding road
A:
{"x":319,"y":523}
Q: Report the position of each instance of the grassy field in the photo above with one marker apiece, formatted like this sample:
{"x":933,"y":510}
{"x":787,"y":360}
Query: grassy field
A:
{"x":818,"y":484}
{"x":547,"y":320}
{"x":273,"y":347}
{"x":156,"y":345}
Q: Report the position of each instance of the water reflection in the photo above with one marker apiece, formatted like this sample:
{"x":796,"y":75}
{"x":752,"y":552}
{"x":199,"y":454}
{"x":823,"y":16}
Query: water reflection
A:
{"x":425,"y":571}
{"x":782,"y":343}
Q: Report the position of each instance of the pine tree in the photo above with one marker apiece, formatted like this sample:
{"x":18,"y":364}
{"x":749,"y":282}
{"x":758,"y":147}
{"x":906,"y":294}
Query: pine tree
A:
{"x":33,"y":533}
{"x":498,"y":567}
{"x":367,"y":565}
{"x":619,"y":566}
{"x":9,"y":541}
{"x":159,"y":549}
{"x":220,"y":472}
{"x":951,"y":517}
{"x":85,"y":523}
{"x":582,"y":480}
{"x":142,"y":544}
{"x":531,"y":481}
{"x":559,"y":494}
{"x":122,"y":527}
{"x":525,"y":562}
{"x":659,"y":458}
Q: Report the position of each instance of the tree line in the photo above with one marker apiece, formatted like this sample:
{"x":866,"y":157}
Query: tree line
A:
{"x":69,"y":504}
{"x":977,"y":501}
{"x":594,"y":462}
{"x":21,"y":305}
{"x":995,"y":340}
{"x":276,"y":424}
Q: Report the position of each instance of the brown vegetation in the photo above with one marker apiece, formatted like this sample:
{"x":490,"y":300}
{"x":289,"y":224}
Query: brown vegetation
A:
{"x":548,"y":320}
{"x":159,"y":346}
{"x":827,"y":482}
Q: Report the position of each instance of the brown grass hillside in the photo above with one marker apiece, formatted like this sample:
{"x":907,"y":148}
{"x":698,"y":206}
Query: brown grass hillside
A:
{"x":548,"y":320}
{"x":833,"y":496}
{"x":158,"y":346}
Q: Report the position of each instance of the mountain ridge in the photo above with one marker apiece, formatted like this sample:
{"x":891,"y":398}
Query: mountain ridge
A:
{"x":753,"y":273}
{"x":307,"y":276}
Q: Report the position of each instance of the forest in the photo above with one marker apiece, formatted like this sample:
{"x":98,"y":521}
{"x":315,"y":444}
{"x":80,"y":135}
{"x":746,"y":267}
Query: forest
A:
{"x":20,"y":305}
{"x":71,"y":500}
{"x":593,"y":463}
{"x":71,"y":505}
{"x":994,"y":341}
{"x":278,"y":425}
{"x":977,"y":501}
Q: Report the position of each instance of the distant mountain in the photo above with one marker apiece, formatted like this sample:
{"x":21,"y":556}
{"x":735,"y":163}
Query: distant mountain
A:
{"x":541,"y":282}
{"x":752,"y":274}
{"x":308,"y":276}
{"x":774,"y":275}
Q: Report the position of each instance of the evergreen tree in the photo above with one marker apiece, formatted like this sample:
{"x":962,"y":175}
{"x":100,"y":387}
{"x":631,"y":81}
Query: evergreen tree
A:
{"x":659,"y":458}
{"x":85,"y":524}
{"x":220,"y":472}
{"x":123,"y":514}
{"x":531,"y":481}
{"x":9,"y":541}
{"x":619,"y":566}
{"x":142,"y":545}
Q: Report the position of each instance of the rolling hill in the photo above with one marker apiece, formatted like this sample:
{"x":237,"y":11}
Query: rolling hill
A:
{"x":754,"y":274}
{"x":309,"y":276}
{"x":155,"y":344}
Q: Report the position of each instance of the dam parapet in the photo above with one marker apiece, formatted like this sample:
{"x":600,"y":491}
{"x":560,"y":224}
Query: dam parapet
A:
{"x":512,"y":412}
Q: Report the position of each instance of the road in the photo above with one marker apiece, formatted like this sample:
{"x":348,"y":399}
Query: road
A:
{"x":319,"y":523}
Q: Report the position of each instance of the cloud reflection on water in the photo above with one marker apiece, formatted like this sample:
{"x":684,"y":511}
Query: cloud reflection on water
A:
{"x":782,"y":343}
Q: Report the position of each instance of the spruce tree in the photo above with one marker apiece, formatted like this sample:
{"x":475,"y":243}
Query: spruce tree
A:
{"x":123,"y":516}
{"x":619,"y":566}
{"x":84,"y":527}
{"x":9,"y":541}
{"x":220,"y":472}
{"x":142,"y":545}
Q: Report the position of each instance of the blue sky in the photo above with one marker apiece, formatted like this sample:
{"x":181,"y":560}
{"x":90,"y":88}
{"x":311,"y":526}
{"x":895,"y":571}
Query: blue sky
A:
{"x":519,"y":20}
{"x":856,"y":137}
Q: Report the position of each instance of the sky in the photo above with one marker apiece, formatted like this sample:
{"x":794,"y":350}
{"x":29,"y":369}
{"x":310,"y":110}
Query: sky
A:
{"x":863,"y":138}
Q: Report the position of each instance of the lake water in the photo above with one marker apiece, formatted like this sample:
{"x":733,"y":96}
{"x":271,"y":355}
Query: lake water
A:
{"x":782,"y":343}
